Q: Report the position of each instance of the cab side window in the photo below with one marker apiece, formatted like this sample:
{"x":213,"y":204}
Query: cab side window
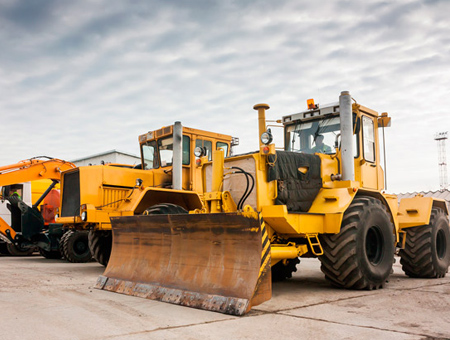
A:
{"x":222,"y":146}
{"x":368,"y":139}
{"x":186,"y":150}
{"x":150,"y":156}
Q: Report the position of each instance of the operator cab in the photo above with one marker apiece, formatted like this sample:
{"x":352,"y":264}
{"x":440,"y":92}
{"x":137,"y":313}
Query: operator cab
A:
{"x":305,"y":131}
{"x":159,"y":153}
{"x":316,"y":130}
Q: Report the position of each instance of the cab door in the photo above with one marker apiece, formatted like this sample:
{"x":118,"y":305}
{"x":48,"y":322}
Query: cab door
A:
{"x":369,"y":161}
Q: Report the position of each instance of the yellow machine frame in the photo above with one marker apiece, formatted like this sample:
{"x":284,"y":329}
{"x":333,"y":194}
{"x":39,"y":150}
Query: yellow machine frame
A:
{"x":119,"y":190}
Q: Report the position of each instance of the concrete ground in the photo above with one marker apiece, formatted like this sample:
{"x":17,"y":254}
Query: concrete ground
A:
{"x":54,"y":300}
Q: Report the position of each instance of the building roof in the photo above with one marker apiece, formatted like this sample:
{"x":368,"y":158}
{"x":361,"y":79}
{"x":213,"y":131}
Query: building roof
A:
{"x":444,"y":194}
{"x":104,"y":154}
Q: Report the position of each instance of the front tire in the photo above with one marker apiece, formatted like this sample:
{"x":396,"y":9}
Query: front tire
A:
{"x":165,"y":209}
{"x":283,"y":270}
{"x":361,"y":255}
{"x":74,"y":246}
{"x":427,"y":248}
{"x":100,"y":244}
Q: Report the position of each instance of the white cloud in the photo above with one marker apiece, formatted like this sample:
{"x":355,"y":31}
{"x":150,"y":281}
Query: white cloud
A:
{"x":90,"y":76}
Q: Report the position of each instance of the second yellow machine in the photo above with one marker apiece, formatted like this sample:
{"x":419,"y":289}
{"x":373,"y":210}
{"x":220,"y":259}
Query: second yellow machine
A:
{"x":320,"y":197}
{"x":168,"y":173}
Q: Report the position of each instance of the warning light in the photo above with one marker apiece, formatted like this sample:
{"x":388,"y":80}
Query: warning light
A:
{"x":310,"y":103}
{"x":198,"y":161}
{"x":266,"y":150}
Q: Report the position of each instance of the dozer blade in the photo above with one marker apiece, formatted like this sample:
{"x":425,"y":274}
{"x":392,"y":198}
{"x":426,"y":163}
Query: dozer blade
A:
{"x":218,"y":262}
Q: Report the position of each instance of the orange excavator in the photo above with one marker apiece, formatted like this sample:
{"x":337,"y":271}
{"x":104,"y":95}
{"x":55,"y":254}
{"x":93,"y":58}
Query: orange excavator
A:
{"x":32,"y":226}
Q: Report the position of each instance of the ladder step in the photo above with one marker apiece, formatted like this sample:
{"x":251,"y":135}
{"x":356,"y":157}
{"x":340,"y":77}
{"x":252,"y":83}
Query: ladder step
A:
{"x":314,"y":244}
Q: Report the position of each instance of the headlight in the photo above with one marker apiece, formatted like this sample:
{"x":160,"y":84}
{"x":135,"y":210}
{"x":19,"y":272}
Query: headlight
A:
{"x":266,"y":138}
{"x":56,"y":216}
{"x":199,"y":151}
{"x":84,"y":216}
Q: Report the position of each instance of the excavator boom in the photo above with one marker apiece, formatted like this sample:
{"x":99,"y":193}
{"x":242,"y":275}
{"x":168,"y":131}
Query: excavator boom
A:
{"x":33,"y":169}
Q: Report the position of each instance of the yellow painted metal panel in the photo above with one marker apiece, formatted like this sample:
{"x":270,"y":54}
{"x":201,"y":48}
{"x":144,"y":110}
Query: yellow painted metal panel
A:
{"x":282,"y":222}
{"x":414,"y":211}
{"x":333,"y":200}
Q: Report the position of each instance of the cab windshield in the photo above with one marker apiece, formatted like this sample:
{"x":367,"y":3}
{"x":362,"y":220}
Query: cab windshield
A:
{"x":318,"y":136}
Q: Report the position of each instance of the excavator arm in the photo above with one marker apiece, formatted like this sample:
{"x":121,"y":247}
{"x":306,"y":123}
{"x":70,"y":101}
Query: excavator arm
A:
{"x":33,"y":169}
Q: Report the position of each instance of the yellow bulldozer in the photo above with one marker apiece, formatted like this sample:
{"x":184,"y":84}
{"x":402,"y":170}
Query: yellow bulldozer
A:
{"x":168,"y":173}
{"x":322,"y":196}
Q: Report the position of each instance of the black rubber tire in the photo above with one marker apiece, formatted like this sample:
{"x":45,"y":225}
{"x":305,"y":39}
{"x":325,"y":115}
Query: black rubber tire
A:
{"x":361,"y":255}
{"x":427,"y":248}
{"x":282,"y":271}
{"x":51,"y":255}
{"x":74,"y":246}
{"x":15,"y":251}
{"x":4,"y":248}
{"x":100,"y":244}
{"x":165,"y":209}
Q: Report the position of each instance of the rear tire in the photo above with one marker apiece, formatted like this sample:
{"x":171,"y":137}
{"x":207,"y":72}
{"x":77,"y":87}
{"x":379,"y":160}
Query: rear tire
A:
{"x":427,"y":248}
{"x":282,"y":271}
{"x":16,"y":251}
{"x":165,"y":209}
{"x":100,"y":244}
{"x":51,"y":255}
{"x":361,"y":255}
{"x":74,"y":246}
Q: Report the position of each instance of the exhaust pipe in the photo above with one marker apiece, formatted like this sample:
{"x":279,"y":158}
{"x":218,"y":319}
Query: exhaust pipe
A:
{"x":261,"y":108}
{"x":348,"y":163}
{"x":177,"y":162}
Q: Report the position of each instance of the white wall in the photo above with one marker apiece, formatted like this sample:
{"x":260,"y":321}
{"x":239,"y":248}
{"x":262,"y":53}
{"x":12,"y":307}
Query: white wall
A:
{"x":109,"y":158}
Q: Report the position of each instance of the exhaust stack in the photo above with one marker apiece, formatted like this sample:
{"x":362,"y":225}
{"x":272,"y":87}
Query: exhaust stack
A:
{"x":348,"y":164}
{"x":261,"y":108}
{"x":177,"y":164}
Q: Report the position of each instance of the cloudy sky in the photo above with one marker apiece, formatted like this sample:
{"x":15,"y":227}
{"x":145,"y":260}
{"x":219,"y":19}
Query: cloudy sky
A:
{"x":83,"y":77}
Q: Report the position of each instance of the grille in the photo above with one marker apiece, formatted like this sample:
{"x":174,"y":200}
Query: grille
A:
{"x":71,"y":194}
{"x":113,"y":197}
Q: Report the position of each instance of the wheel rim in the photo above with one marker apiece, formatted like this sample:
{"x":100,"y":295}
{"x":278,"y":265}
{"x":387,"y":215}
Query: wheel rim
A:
{"x":80,"y":247}
{"x":374,"y":245}
{"x":441,"y":244}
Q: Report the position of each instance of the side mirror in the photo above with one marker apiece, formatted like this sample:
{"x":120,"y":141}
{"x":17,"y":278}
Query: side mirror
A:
{"x":336,"y":141}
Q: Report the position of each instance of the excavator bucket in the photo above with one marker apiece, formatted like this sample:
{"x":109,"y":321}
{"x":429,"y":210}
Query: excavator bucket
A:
{"x":218,"y":262}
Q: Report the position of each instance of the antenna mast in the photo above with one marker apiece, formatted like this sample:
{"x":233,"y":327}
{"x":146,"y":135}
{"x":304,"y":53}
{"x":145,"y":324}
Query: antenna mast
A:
{"x":441,"y":138}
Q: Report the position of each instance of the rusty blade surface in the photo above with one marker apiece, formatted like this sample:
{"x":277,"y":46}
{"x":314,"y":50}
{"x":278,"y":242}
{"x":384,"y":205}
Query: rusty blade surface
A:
{"x":210,"y":261}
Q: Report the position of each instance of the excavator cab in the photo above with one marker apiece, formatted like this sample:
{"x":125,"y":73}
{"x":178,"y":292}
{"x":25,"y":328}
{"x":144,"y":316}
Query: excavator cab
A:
{"x":25,"y":186}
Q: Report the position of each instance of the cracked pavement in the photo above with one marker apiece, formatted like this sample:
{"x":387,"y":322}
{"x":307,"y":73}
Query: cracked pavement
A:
{"x":54,"y":299}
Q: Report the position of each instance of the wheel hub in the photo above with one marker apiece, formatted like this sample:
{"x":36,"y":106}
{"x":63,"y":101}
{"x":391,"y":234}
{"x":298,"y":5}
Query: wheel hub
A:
{"x":441,"y":244}
{"x":374,"y":245}
{"x":80,"y":248}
